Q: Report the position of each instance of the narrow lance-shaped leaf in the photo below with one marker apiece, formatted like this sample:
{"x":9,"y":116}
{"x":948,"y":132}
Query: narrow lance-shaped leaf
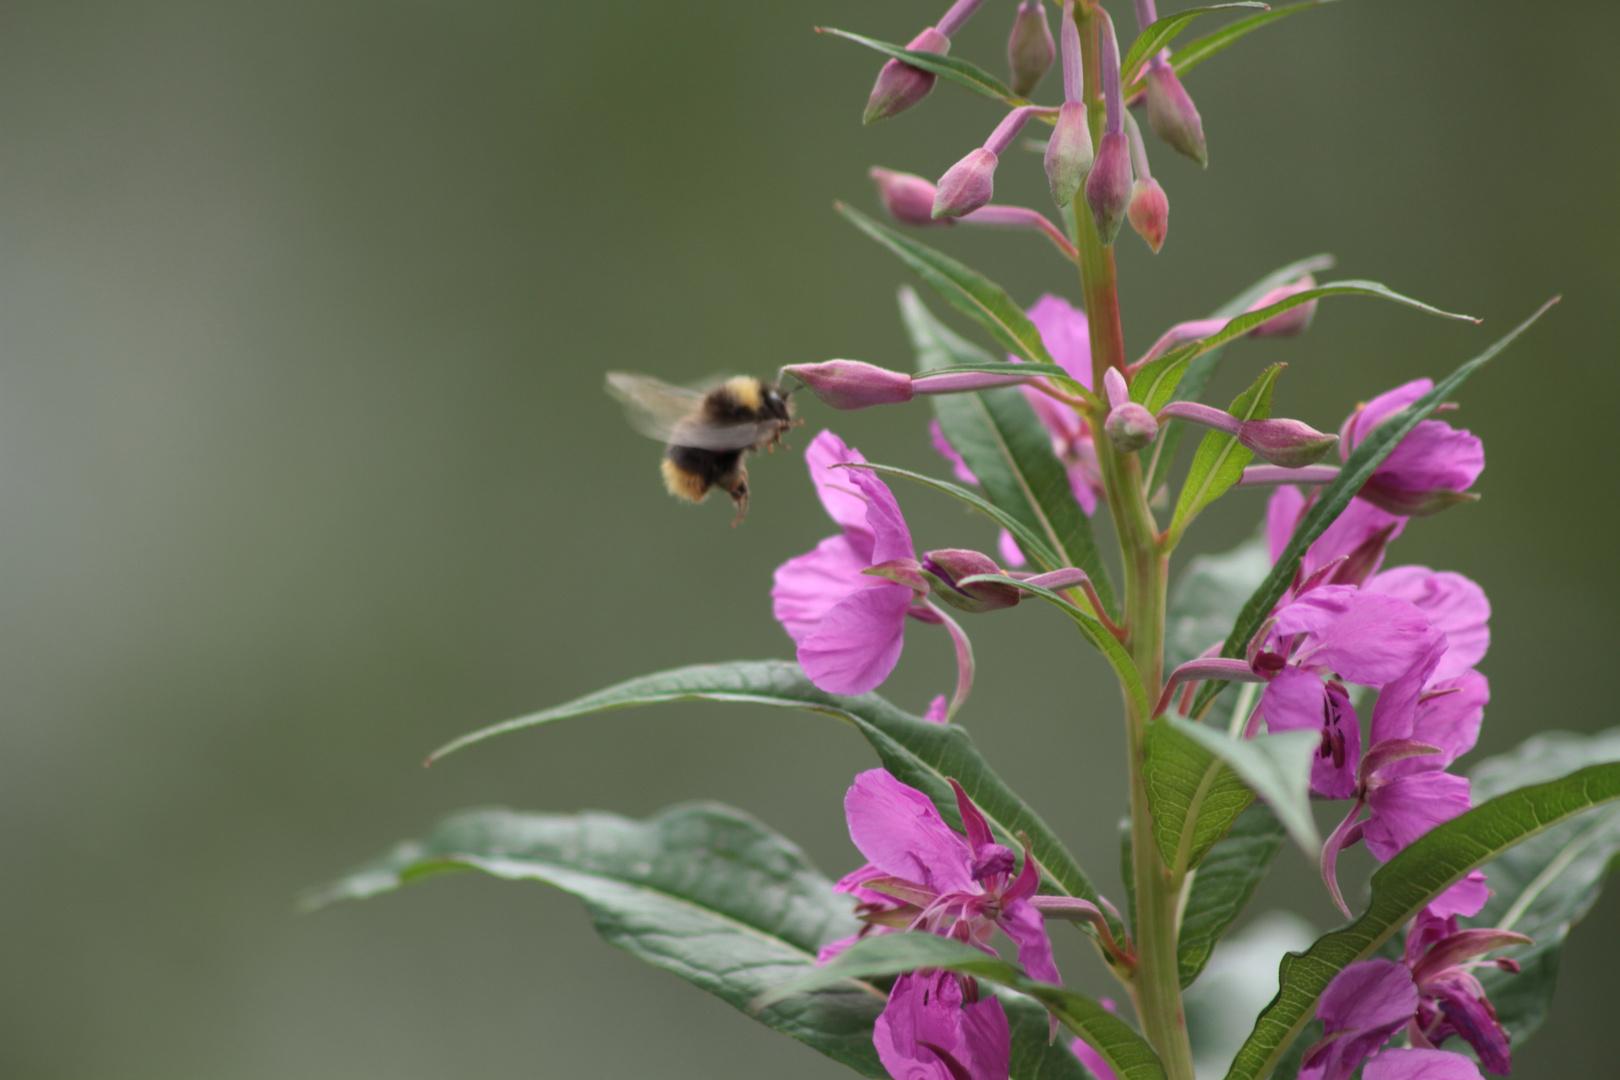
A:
{"x":703,"y":891}
{"x":1363,"y":461}
{"x":1158,"y":461}
{"x":948,"y":68}
{"x":1194,"y":796}
{"x":1276,"y":767}
{"x":968,"y":291}
{"x":1161,"y":33}
{"x":1402,"y":887}
{"x":915,"y":751}
{"x":1546,"y":885}
{"x":1220,"y":459}
{"x":991,"y":367}
{"x":1156,"y":383}
{"x":1197,"y":51}
{"x":1223,"y":885}
{"x":1130,"y":1057}
{"x":1008,"y":449}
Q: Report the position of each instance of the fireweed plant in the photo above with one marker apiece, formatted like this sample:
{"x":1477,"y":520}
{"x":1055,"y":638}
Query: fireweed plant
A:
{"x":1301,"y":666}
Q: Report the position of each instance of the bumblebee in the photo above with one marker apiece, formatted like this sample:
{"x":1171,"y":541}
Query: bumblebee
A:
{"x":706,"y":432}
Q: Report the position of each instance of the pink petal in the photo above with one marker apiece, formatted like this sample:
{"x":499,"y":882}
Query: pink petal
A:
{"x":891,"y":539}
{"x":1433,"y":455}
{"x":1450,"y":721}
{"x":808,"y":586}
{"x":858,"y":643}
{"x":1354,"y":526}
{"x":900,"y":831}
{"x":1065,"y":334}
{"x":1092,"y":1060}
{"x":1011,"y":553}
{"x":1395,"y":714}
{"x":1407,"y":807}
{"x":836,"y":486}
{"x":1366,"y":639}
{"x":926,"y":1007}
{"x":1462,"y":1002}
{"x":1456,"y":606}
{"x":1375,"y":412}
{"x":942,"y":445}
{"x":1283,"y":512}
{"x":938,"y":710}
{"x":1295,"y":701}
{"x":1466,"y":898}
{"x":1420,"y":1065}
{"x":1364,"y":1005}
{"x":1027,"y":929}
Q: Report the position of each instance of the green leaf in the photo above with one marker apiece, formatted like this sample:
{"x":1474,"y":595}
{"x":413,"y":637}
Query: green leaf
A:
{"x":893,"y":954}
{"x":1547,"y":884}
{"x":1402,"y":887}
{"x":1363,"y":461}
{"x":915,"y":751}
{"x":1220,"y":459}
{"x":1156,"y":382}
{"x":1161,"y":33}
{"x":1157,"y":463}
{"x":968,"y":291}
{"x":993,"y":367}
{"x":1196,"y":52}
{"x":1009,"y":450}
{"x":1276,"y":767}
{"x":1224,"y":883}
{"x":1207,"y":596}
{"x":949,"y":68}
{"x":703,"y":891}
{"x":1194,"y":796}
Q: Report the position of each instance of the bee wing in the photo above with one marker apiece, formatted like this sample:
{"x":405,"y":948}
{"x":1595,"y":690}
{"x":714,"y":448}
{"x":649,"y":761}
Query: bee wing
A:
{"x":653,"y":407}
{"x":668,"y":413}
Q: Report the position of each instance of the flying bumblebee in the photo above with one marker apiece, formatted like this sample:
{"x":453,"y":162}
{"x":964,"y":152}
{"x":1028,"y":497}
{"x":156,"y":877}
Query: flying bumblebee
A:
{"x":705,"y":432}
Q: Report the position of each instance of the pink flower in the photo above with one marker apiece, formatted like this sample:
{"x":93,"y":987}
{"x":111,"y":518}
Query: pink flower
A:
{"x":848,"y":625}
{"x":937,"y":1027}
{"x":1430,"y":468}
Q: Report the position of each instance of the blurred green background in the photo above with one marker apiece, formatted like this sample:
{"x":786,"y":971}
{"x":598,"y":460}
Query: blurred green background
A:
{"x":306,"y":468}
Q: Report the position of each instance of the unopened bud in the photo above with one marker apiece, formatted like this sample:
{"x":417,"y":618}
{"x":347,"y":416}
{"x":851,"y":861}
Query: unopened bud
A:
{"x":851,"y":384}
{"x":947,"y":567}
{"x":1069,"y":153}
{"x":899,"y":85}
{"x":1291,"y":444}
{"x":967,"y":185}
{"x":1108,"y":187}
{"x":909,"y":199}
{"x":1413,"y":503}
{"x":1172,"y":114}
{"x":1130,"y":426}
{"x":1030,"y":49}
{"x":1295,"y":320}
{"x":1149,"y":212}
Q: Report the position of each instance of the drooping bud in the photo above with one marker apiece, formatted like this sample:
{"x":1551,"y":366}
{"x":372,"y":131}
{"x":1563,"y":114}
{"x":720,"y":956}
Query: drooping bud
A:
{"x":969,"y":184}
{"x":1129,"y":425}
{"x":949,"y":566}
{"x":1029,"y":48}
{"x":1288,"y":443}
{"x":1069,"y":153}
{"x":899,"y":86}
{"x":1108,"y":187}
{"x":852,"y":384}
{"x":1295,"y":320}
{"x":909,"y":199}
{"x":1172,"y":114}
{"x":1149,"y":212}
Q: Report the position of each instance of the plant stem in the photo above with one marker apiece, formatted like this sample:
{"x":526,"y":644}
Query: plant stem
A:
{"x":1156,"y":984}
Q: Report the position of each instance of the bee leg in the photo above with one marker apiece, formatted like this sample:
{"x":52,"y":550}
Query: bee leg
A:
{"x":736,"y":485}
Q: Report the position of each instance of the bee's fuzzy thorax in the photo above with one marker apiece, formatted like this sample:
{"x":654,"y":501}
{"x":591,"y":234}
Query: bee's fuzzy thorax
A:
{"x":746,"y":391}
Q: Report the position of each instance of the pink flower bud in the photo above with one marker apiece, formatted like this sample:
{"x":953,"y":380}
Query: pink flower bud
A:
{"x":967,"y":185}
{"x":1030,"y":49}
{"x":899,"y":85}
{"x":1069,"y":153}
{"x":949,"y":566}
{"x":1291,"y":322}
{"x":1131,"y":427}
{"x":851,"y":384}
{"x":1172,"y":114}
{"x":1149,"y":212}
{"x":909,"y":199}
{"x":1108,"y":188}
{"x":1288,"y":443}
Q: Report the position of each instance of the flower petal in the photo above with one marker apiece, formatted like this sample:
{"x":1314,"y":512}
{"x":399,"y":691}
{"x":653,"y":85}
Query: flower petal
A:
{"x":1283,"y":511}
{"x":1466,"y":898}
{"x":1296,"y":700}
{"x":1456,"y":606}
{"x":1366,"y":639}
{"x":1406,"y":807}
{"x":1367,"y":417}
{"x":1027,"y":929}
{"x":1401,"y":1064}
{"x":1065,"y":334}
{"x":835,"y":486}
{"x":858,"y":642}
{"x":942,"y":445}
{"x":1433,"y":455}
{"x":808,"y":586}
{"x":926,"y":1007}
{"x":1364,"y":1005}
{"x":900,"y":831}
{"x":1092,"y":1060}
{"x":891,"y":539}
{"x":1448,"y":716}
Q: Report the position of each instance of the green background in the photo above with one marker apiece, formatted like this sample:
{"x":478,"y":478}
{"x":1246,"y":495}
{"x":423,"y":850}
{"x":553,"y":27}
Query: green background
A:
{"x":305,"y":468}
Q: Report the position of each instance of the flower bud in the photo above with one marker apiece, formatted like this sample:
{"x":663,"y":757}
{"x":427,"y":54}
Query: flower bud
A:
{"x":851,"y":384}
{"x":1295,"y":320}
{"x":899,"y":85}
{"x":908,"y":198}
{"x":1068,"y":152}
{"x":1149,"y":212}
{"x":946,"y":567}
{"x":1108,"y":187}
{"x":967,"y":185}
{"x":1289,"y":443}
{"x":1030,"y":49}
{"x":1130,"y":427}
{"x":1172,"y":114}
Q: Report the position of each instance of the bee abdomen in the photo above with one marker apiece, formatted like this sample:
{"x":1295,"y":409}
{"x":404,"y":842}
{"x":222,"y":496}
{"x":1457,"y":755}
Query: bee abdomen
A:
{"x":690,"y":471}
